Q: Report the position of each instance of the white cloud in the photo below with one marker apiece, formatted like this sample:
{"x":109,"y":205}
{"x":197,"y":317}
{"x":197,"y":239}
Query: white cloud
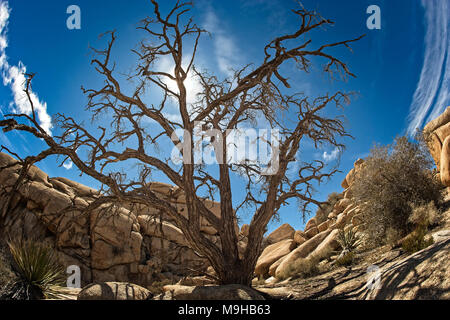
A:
{"x":14,"y":77}
{"x":226,"y":52}
{"x":173,"y":117}
{"x":328,"y":157}
{"x":68,"y":165}
{"x":432,"y":92}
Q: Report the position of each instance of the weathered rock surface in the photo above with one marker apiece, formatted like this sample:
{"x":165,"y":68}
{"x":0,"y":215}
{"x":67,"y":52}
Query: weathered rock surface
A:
{"x":327,"y":246}
{"x":299,"y":237}
{"x":444,"y":160}
{"x":311,"y":224}
{"x":318,"y":239}
{"x":271,"y":254}
{"x":282,"y":233}
{"x":124,"y":243}
{"x":228,"y":292}
{"x":423,"y":275}
{"x":436,"y":133}
{"x":311,"y":232}
{"x":114,"y":291}
{"x":301,"y":252}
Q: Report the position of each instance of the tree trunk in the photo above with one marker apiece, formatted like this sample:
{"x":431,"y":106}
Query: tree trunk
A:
{"x":237,"y":272}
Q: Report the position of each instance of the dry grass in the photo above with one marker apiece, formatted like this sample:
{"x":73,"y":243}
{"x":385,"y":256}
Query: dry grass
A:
{"x":426,"y":215}
{"x":417,"y":240}
{"x":346,"y":260}
{"x":6,"y":273}
{"x":302,"y":268}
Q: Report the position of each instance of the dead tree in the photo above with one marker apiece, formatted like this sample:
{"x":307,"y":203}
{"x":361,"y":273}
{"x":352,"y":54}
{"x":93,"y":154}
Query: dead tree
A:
{"x":254,"y":93}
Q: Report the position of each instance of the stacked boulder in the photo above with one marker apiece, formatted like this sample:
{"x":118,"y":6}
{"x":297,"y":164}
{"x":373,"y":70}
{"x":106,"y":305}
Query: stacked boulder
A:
{"x":286,"y":246}
{"x":132,"y":243}
{"x":107,"y":242}
{"x":437,"y":135}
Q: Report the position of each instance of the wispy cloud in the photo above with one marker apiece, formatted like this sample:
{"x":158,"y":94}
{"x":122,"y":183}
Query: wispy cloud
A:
{"x":432,"y":93}
{"x":14,"y":77}
{"x":333,"y":155}
{"x":227,"y":54}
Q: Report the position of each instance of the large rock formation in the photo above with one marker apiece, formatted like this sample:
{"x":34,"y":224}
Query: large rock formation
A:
{"x":227,"y":292}
{"x":318,"y":240}
{"x":271,"y":254}
{"x":437,"y":135}
{"x":109,"y":243}
{"x":424,"y":275}
{"x":114,"y":291}
{"x":137,"y":244}
{"x":282,"y":233}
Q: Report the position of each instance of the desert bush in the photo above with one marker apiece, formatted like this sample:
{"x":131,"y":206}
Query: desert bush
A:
{"x":325,"y":209}
{"x":392,"y":178}
{"x":417,"y":240}
{"x":157,"y":286}
{"x":424,"y":215}
{"x":37,"y":269}
{"x":302,"y":268}
{"x":345,"y":259}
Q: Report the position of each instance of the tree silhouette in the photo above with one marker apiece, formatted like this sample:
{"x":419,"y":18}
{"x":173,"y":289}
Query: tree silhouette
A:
{"x":255,"y":93}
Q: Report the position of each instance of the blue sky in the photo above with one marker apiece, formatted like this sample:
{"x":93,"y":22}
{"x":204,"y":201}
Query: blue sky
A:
{"x":402,"y":70}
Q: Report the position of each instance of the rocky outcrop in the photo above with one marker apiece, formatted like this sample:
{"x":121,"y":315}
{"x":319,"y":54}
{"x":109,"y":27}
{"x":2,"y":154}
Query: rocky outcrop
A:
{"x":124,"y":243}
{"x":228,"y":292}
{"x":299,"y":253}
{"x":271,"y":254}
{"x":282,"y":233}
{"x":317,"y":239}
{"x":133,"y":243}
{"x":437,"y":134}
{"x":424,"y":275}
{"x":114,"y":291}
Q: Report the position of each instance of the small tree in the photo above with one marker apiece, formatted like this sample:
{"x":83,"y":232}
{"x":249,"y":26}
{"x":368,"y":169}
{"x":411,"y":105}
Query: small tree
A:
{"x":254,"y":93}
{"x":394,"y":179}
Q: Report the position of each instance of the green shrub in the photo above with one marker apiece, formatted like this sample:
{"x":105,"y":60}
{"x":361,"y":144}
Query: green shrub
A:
{"x":346,"y":259}
{"x":37,"y":269}
{"x":348,"y":240}
{"x":392,"y":178}
{"x":157,"y":286}
{"x":417,"y":240}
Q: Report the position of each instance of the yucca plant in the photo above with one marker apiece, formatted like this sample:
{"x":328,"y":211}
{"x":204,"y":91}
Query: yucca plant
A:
{"x":37,"y":269}
{"x":348,"y":240}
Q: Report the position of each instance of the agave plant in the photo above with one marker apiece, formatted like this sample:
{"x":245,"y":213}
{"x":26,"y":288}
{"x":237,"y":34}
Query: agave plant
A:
{"x":37,"y":269}
{"x":349,"y":240}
